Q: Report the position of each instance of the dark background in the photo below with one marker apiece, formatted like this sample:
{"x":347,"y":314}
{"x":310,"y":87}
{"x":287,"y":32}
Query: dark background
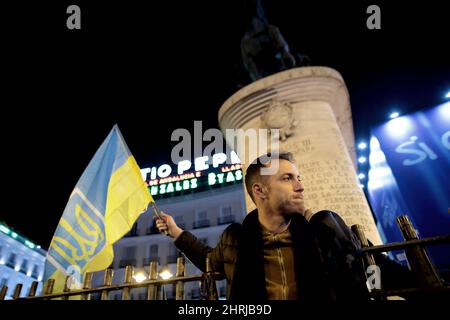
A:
{"x":154,"y":67}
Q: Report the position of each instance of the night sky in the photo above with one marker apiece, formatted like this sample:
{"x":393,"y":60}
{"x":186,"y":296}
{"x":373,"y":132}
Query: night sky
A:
{"x":152,"y":68}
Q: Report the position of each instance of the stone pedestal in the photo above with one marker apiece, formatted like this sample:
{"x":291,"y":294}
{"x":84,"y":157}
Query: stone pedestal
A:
{"x":310,"y":106}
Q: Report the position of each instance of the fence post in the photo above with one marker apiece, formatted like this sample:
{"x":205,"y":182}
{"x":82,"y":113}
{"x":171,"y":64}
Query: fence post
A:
{"x":48,"y":288}
{"x":33,"y":289}
{"x":107,"y":281}
{"x":359,"y":232}
{"x":87,"y":283}
{"x":417,"y":256}
{"x":179,"y":287}
{"x":3,"y":292}
{"x":152,"y":290}
{"x":128,"y":280}
{"x":17,"y":290}
{"x":67,"y":284}
{"x":210,"y":281}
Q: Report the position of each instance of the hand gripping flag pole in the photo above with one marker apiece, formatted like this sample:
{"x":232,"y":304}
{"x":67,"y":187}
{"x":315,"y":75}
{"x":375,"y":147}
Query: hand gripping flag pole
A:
{"x":158,"y":214}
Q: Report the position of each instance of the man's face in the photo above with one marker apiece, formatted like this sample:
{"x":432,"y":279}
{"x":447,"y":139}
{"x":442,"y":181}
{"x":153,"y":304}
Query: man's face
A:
{"x":285,"y":189}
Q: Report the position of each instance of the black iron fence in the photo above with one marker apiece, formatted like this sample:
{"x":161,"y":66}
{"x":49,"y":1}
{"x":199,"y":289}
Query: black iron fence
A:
{"x":153,"y":284}
{"x":430,"y":285}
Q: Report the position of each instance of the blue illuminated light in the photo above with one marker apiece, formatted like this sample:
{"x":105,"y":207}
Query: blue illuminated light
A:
{"x":400,"y":128}
{"x":394,"y":115}
{"x":4,"y":229}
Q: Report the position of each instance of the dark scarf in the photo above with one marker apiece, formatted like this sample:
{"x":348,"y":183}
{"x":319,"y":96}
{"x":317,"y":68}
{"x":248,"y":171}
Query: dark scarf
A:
{"x":249,"y":278}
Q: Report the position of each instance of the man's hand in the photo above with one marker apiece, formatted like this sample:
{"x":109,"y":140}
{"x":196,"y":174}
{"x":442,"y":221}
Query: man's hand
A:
{"x":167,"y":223}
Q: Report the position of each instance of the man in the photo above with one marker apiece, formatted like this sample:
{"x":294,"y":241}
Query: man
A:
{"x":277,"y":253}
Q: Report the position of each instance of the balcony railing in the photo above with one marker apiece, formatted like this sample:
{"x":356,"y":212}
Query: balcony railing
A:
{"x":172,"y":258}
{"x":152,"y":230}
{"x":23,"y":269}
{"x":182,"y":225}
{"x":226,"y":219}
{"x":131,"y":234}
{"x":201,"y":224}
{"x":146,"y":261}
{"x":127,"y":262}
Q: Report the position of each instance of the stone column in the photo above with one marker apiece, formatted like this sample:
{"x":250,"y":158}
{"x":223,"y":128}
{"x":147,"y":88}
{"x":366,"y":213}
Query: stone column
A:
{"x":310,"y":106}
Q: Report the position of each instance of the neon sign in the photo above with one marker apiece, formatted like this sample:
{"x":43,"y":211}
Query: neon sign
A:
{"x":194,"y":182}
{"x":200,"y":164}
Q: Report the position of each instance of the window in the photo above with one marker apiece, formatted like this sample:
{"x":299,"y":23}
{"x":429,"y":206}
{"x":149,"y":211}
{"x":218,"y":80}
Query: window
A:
{"x":200,"y":215}
{"x":173,"y":254}
{"x":201,"y":220}
{"x":173,"y":249}
{"x":152,"y":255}
{"x":178,"y":219}
{"x":225,"y":211}
{"x":11,"y":260}
{"x":128,"y":257}
{"x":133,"y":231}
{"x":153,"y":250}
{"x":225,"y":215}
{"x":35,"y":273}
{"x":24,"y":266}
{"x":130,"y":252}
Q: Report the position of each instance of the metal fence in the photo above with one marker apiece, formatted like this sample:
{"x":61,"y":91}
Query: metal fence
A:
{"x":153,"y":284}
{"x":430,"y":287}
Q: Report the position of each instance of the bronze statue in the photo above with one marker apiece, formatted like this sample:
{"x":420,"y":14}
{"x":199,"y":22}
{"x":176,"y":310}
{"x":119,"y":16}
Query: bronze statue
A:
{"x":263,"y":48}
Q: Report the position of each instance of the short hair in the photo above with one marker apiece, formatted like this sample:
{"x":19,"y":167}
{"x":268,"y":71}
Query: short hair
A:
{"x":253,"y":172}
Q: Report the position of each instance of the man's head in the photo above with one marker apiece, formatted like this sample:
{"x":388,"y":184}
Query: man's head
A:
{"x":281,"y":190}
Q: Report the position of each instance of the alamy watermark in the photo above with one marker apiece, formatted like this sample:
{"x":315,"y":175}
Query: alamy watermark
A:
{"x":373,"y":273}
{"x":251,"y":144}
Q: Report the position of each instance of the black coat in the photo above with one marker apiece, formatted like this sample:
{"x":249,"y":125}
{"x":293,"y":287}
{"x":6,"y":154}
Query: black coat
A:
{"x":325,"y":257}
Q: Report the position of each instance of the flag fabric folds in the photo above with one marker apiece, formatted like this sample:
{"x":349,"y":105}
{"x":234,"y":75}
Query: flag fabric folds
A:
{"x":107,"y":200}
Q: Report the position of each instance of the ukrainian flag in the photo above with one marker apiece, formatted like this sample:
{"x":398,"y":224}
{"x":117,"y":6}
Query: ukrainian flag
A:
{"x":103,"y":207}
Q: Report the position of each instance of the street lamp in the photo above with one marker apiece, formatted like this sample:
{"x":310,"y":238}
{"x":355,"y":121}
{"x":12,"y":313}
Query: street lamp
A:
{"x":166,"y":274}
{"x":362,"y":146}
{"x":139,"y":277}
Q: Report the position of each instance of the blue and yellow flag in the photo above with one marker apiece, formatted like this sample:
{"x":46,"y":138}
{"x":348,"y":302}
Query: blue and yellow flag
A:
{"x":103,"y":207}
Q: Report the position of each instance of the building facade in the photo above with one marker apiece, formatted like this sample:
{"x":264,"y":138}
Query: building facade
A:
{"x":21,"y":261}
